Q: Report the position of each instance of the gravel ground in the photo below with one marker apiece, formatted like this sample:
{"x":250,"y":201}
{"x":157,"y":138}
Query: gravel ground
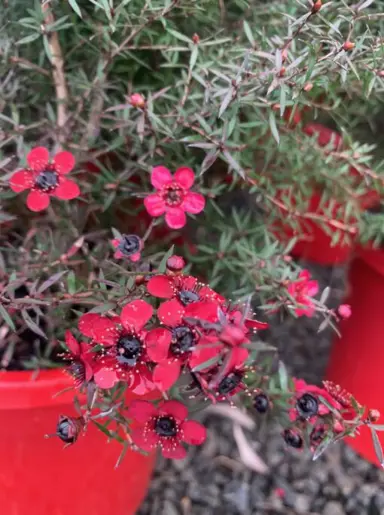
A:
{"x":213,"y":481}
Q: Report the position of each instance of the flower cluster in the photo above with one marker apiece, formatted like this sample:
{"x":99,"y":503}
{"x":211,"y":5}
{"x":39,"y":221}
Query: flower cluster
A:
{"x":180,"y":340}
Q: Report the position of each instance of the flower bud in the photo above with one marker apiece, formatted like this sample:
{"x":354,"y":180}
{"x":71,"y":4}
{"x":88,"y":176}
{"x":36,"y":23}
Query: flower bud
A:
{"x":344,"y":310}
{"x":232,"y":335}
{"x":308,"y":86}
{"x":196,"y":38}
{"x":137,"y":100}
{"x":348,"y":45}
{"x":293,"y":438}
{"x":373,"y":415}
{"x":175,"y":264}
{"x":316,"y":6}
{"x":261,"y":403}
{"x":307,"y":406}
{"x":68,"y":428}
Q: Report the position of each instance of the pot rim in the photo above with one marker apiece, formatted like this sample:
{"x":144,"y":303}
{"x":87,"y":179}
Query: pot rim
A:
{"x":28,"y":389}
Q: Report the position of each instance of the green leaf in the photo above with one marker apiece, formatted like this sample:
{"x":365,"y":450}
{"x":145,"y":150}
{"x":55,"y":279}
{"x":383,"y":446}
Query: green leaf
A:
{"x":52,"y":280}
{"x":75,"y":7}
{"x":283,"y":376}
{"x":163,"y":262}
{"x":206,"y":364}
{"x":28,"y":39}
{"x":32,"y":325}
{"x":377,"y":446}
{"x":180,"y":36}
{"x":248,"y":33}
{"x":273,"y":127}
{"x":193,"y":59}
{"x":7,"y":319}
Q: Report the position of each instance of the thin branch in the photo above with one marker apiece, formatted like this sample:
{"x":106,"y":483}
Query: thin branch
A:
{"x":21,"y":61}
{"x":58,"y":71}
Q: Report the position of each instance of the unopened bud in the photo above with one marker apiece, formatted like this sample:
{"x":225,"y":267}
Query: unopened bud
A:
{"x":175,"y":264}
{"x":316,"y":6}
{"x":282,"y":71}
{"x":137,"y":100}
{"x":373,"y":415}
{"x":276,"y":107}
{"x":344,"y":310}
{"x":348,"y":45}
{"x":380,"y":73}
{"x":196,"y":39}
{"x":308,"y":86}
{"x":68,"y":429}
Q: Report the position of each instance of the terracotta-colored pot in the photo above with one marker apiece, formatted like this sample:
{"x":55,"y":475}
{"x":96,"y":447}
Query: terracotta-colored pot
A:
{"x":39,"y":477}
{"x":357,"y":358}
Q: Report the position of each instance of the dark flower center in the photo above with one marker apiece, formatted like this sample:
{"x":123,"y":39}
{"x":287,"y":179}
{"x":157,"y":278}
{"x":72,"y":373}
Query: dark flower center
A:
{"x":183,"y":340}
{"x":261,"y":403}
{"x":307,"y":405}
{"x":129,"y":349}
{"x":165,"y":426}
{"x":77,"y":370}
{"x":129,"y":244}
{"x":229,"y":383}
{"x":173,"y":194}
{"x":293,"y":439}
{"x":187,"y":297}
{"x":47,"y":180}
{"x":65,"y":431}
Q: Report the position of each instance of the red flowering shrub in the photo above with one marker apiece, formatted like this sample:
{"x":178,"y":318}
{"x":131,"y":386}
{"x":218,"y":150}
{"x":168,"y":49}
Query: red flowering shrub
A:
{"x":142,"y":298}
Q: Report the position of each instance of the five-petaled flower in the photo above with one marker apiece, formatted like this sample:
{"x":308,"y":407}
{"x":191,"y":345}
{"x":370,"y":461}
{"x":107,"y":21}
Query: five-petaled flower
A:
{"x":128,"y":246}
{"x":45,"y":178}
{"x":302,"y":290}
{"x":164,"y":426}
{"x":125,"y":356}
{"x":173,"y":196}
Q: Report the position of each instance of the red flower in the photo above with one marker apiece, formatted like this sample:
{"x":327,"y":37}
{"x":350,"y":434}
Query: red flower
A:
{"x":45,"y":178}
{"x":164,"y":426}
{"x":184,"y":292}
{"x":302,"y":290}
{"x":125,"y":355}
{"x":137,"y":100}
{"x":226,"y":380}
{"x":173,"y":196}
{"x":81,"y":367}
{"x":128,"y":246}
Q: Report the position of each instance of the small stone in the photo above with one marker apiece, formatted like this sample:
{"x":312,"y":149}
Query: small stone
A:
{"x":333,"y":508}
{"x":302,"y":503}
{"x":237,"y":494}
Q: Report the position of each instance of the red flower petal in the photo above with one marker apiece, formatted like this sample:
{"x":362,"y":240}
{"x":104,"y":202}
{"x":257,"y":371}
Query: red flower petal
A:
{"x":136,"y":314}
{"x":187,"y":282}
{"x":64,"y":162}
{"x":86,"y":324}
{"x":161,"y":286}
{"x":145,"y":441}
{"x":38,"y":158}
{"x":21,"y":180}
{"x":173,"y":451}
{"x":171,"y":312}
{"x":160,"y":175}
{"x":193,"y":432}
{"x":255,"y":324}
{"x":141,"y":411}
{"x":105,"y":331}
{"x":204,"y":354}
{"x":175,"y":409}
{"x":67,"y":190}
{"x":88,"y":370}
{"x":72,"y":343}
{"x":135,"y":257}
{"x":166,"y":374}
{"x":204,"y":310}
{"x":118,"y":254}
{"x":154,"y":204}
{"x":158,"y":341}
{"x":115,"y":243}
{"x":175,"y":218}
{"x":143,"y":382}
{"x":37,"y":200}
{"x":185,"y":177}
{"x":105,"y":378}
{"x":193,"y":203}
{"x":238,"y":356}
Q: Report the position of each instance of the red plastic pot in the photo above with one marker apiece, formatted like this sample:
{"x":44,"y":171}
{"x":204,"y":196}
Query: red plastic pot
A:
{"x":357,"y":358}
{"x":39,"y":477}
{"x":373,"y":256}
